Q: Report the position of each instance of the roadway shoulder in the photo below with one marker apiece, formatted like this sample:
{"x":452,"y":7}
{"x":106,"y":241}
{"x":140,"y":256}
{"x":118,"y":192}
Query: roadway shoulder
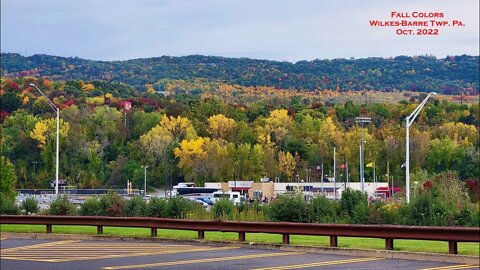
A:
{"x":391,"y":254}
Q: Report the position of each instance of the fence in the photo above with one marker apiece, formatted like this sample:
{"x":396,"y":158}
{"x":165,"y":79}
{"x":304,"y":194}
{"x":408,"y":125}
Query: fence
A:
{"x":452,"y":235}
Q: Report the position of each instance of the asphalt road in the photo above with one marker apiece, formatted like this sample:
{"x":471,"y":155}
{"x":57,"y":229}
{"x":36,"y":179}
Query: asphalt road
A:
{"x":23,"y":254}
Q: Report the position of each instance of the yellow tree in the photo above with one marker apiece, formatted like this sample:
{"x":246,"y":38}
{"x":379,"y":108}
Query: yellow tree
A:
{"x":156,"y":143}
{"x":45,"y":131}
{"x":219,"y":165}
{"x":258,"y":162}
{"x":286,"y":163}
{"x":220,"y":126}
{"x":328,"y":136}
{"x":466,"y":135}
{"x":278,"y":123}
{"x":192,"y":158}
{"x":45,"y":134}
{"x":179,"y":126}
{"x":88,"y":87}
{"x":149,"y":88}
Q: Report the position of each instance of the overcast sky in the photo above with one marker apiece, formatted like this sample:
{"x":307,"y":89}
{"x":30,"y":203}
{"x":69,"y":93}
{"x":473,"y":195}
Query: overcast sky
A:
{"x":265,"y":29}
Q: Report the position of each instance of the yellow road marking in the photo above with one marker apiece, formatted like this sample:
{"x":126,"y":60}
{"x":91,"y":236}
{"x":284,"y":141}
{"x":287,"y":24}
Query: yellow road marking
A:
{"x":298,"y":266}
{"x":452,"y":267}
{"x":231,"y":258}
{"x":79,"y":256}
{"x":39,"y":245}
{"x":86,"y":252}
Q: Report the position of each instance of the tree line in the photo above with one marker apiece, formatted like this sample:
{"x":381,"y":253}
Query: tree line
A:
{"x":450,"y":75}
{"x":237,"y":135}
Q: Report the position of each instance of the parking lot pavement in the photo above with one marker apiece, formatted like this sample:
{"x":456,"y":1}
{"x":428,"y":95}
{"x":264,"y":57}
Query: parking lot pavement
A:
{"x":110,"y":255}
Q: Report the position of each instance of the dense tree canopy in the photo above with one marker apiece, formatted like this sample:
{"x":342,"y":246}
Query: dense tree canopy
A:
{"x":223,"y":132}
{"x":449,"y":75}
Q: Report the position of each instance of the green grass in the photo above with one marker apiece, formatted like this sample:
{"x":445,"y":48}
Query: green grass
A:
{"x":322,"y":241}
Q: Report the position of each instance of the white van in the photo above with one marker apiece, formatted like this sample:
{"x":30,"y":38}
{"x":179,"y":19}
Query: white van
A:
{"x":233,"y":196}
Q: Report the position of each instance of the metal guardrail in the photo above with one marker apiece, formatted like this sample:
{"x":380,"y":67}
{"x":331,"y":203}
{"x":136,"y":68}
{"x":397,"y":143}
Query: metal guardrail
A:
{"x":452,"y":235}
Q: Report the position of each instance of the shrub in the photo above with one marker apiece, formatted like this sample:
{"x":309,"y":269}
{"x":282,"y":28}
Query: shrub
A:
{"x":354,"y":206}
{"x":91,"y":207}
{"x":392,"y":212}
{"x":376,"y":213}
{"x":250,"y":212}
{"x":291,"y":208}
{"x":135,"y":207}
{"x":61,"y":206}
{"x":427,"y":209}
{"x":30,"y":206}
{"x":111,"y":205}
{"x":322,"y":210}
{"x":462,"y":218}
{"x":157,"y":208}
{"x":7,"y":205}
{"x":475,"y":217}
{"x":441,"y":202}
{"x":178,"y":207}
{"x":223,"y":209}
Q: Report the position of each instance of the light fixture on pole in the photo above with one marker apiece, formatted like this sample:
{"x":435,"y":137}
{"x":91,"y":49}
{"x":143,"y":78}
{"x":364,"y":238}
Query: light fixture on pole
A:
{"x":57,"y":110}
{"x":409,"y":120}
{"x":362,"y":120}
{"x":145,"y":180}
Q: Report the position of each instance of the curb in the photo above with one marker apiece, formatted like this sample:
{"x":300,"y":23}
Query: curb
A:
{"x":389,"y":254}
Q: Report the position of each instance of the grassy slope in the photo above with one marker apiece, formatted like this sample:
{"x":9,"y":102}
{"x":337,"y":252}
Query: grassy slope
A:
{"x":346,"y":242}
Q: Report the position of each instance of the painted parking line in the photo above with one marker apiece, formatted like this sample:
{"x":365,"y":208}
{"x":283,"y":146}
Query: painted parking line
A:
{"x":219,"y":259}
{"x":307,"y":265}
{"x":453,"y":267}
{"x":65,"y":251}
{"x":7,"y":250}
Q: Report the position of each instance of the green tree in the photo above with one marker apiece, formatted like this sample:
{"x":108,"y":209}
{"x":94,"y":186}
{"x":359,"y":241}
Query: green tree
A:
{"x":291,"y":208}
{"x":8,"y":178}
{"x":10,"y":102}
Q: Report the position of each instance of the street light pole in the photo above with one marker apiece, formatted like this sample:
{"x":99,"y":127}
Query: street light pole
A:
{"x":334,"y":173}
{"x":362,"y":120}
{"x":409,"y":120}
{"x":57,"y":110}
{"x":34,"y":176}
{"x":145,"y":180}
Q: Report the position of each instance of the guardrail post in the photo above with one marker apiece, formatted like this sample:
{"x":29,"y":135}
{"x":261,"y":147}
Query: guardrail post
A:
{"x":49,"y":228}
{"x":241,"y":236}
{"x":333,"y":241}
{"x":99,"y":229}
{"x":286,"y":238}
{"x":389,"y":244}
{"x":452,"y":247}
{"x":153,"y":232}
{"x":201,"y":234}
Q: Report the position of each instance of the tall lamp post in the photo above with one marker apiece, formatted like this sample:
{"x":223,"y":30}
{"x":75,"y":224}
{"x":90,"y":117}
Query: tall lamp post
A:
{"x":362,"y":120}
{"x":145,"y":179}
{"x":34,"y":177}
{"x":57,"y":110}
{"x":409,"y":120}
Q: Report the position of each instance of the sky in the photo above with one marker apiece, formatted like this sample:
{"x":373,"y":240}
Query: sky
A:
{"x":280,"y":30}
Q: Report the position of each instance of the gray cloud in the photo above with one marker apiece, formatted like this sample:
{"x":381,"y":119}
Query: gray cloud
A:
{"x":269,"y":29}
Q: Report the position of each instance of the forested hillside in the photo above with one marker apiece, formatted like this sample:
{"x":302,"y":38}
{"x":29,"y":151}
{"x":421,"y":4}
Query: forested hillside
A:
{"x":222,"y":132}
{"x":450,"y":75}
